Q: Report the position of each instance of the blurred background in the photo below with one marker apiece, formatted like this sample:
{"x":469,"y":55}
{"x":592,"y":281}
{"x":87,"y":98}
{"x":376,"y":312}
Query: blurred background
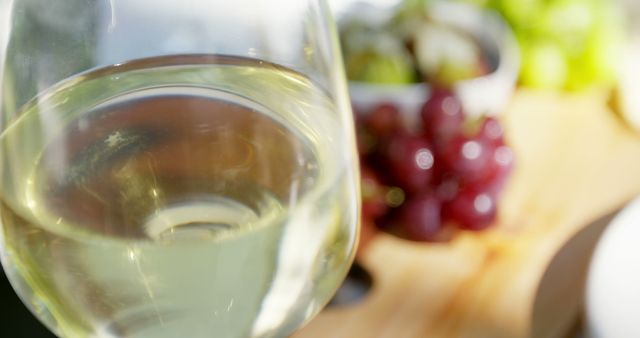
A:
{"x":495,"y":76}
{"x":498,"y":139}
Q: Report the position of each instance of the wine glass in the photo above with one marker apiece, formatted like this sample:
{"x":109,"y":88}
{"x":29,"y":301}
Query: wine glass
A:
{"x":174,"y":168}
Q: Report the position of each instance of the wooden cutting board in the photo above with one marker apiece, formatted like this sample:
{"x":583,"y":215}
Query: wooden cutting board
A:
{"x":576,"y":162}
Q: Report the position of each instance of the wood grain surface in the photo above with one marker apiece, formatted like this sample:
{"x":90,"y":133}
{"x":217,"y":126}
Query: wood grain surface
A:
{"x":576,"y":162}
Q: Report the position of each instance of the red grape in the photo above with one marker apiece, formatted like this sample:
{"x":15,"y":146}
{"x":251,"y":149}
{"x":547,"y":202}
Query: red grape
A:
{"x":443,"y":175}
{"x":365,"y":141}
{"x":448,"y":188}
{"x":468,"y":158}
{"x":411,"y":161}
{"x":501,"y":164}
{"x":500,"y":160}
{"x":471,"y":209}
{"x":419,"y":217}
{"x":491,"y":130}
{"x":442,"y":116}
{"x":384,"y":121}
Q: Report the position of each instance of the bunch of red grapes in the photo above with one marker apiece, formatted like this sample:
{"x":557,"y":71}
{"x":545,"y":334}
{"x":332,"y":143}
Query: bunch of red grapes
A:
{"x":426,"y":181}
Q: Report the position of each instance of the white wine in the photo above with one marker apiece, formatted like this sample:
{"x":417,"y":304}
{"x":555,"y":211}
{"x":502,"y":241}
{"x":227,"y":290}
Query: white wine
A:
{"x":184,"y":196}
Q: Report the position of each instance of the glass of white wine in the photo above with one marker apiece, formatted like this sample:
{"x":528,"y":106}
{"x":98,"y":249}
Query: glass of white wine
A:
{"x":174,"y":168}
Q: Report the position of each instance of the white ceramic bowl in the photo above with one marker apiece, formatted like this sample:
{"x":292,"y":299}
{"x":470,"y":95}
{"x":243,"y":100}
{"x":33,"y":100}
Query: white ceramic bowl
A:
{"x":487,"y":94}
{"x":613,"y":282}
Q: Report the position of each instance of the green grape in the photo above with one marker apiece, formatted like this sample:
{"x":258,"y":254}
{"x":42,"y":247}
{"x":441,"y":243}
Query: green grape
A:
{"x":387,"y":69}
{"x":481,"y":3}
{"x":605,"y":48}
{"x":407,"y":18}
{"x":567,"y":44}
{"x":520,"y":13}
{"x":386,"y":62}
{"x":374,"y":54}
{"x":597,"y":65}
{"x":568,"y":23}
{"x":544,"y":66}
{"x":446,"y":55}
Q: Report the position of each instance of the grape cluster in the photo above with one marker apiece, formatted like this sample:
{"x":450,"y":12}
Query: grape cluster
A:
{"x":421,"y":183}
